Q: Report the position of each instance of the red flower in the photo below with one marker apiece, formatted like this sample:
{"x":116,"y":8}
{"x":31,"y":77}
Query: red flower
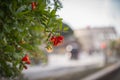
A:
{"x":53,"y":38}
{"x":33,"y":4}
{"x":26,"y":59}
{"x":60,"y":38}
{"x":56,"y":40}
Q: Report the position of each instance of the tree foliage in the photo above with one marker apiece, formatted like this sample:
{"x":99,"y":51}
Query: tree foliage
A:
{"x":23,"y":27}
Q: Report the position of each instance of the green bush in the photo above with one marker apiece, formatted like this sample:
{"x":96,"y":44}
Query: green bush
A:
{"x":24,"y":26}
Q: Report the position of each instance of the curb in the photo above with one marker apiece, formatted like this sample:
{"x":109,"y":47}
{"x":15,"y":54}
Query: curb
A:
{"x":102,"y":73}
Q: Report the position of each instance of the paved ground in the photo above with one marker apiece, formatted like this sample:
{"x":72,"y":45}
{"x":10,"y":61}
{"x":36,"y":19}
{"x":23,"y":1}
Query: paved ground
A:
{"x":115,"y":75}
{"x":61,"y":64}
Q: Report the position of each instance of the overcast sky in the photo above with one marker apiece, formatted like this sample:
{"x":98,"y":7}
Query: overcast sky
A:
{"x":82,"y":13}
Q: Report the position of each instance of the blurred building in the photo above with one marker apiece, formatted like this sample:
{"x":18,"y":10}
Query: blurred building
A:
{"x":93,"y":39}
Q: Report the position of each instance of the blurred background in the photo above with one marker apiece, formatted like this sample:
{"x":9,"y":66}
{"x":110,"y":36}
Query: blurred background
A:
{"x":91,"y":43}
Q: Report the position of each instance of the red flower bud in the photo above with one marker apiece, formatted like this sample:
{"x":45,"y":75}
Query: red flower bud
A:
{"x":33,"y":4}
{"x":56,"y":40}
{"x":53,"y":38}
{"x":28,"y":62}
{"x":26,"y":59}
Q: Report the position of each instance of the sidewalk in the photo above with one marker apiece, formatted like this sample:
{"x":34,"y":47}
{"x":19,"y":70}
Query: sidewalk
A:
{"x":60,"y":65}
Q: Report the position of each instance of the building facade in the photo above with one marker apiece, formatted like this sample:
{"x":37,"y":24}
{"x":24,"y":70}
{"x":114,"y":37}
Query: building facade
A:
{"x":93,"y":39}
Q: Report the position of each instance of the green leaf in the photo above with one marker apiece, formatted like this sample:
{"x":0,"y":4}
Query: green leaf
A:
{"x":65,"y":28}
{"x":27,"y":46}
{"x":9,"y":48}
{"x":53,"y":13}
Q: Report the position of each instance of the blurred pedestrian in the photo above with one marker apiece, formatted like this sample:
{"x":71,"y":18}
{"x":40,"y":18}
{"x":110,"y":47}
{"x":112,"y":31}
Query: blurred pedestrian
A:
{"x":74,"y":54}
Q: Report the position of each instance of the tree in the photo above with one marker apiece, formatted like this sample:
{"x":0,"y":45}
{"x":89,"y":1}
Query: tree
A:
{"x":69,"y":30}
{"x":24,"y":25}
{"x":115,"y":46}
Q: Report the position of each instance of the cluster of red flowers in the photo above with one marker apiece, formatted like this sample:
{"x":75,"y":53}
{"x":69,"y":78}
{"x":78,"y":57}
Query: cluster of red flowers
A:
{"x":26,"y":60}
{"x":56,"y":40}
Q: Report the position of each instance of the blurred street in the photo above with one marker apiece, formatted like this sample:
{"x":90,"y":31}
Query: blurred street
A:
{"x":60,"y":64}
